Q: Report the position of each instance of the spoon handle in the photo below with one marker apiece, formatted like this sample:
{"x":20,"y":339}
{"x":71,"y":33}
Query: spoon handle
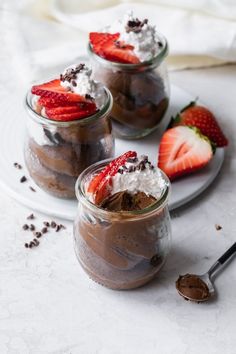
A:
{"x":227,"y":254}
{"x":222,"y":259}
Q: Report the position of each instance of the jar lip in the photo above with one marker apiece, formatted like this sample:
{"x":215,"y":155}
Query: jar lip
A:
{"x":81,"y":196}
{"x":106,"y":108}
{"x":148,"y":63}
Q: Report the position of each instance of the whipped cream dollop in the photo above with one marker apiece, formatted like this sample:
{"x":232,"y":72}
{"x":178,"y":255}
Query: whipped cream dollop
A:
{"x":139,"y":175}
{"x":77,"y":78}
{"x":140,"y":34}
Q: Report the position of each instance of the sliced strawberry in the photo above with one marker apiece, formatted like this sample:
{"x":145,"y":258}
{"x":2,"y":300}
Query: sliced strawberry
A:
{"x":98,"y":39}
{"x":52,"y":103}
{"x":66,"y":117}
{"x":201,"y":118}
{"x":109,"y":47}
{"x":101,"y":184}
{"x":54,"y":91}
{"x":183,"y":150}
{"x":76,"y":108}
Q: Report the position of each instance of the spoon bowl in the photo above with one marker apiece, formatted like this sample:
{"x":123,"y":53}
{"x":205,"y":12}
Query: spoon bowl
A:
{"x":200,"y":288}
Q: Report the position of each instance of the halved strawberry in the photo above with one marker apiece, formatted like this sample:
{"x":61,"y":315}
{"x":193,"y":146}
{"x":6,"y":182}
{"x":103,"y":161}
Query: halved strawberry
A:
{"x":201,"y":118}
{"x":54,"y":91}
{"x":101,"y":184}
{"x":183,"y":150}
{"x":108,"y":46}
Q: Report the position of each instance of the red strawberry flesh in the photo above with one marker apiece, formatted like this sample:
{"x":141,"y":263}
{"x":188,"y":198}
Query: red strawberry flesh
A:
{"x":100,"y":185}
{"x":108,"y":46}
{"x":183,"y":150}
{"x":54,"y":91}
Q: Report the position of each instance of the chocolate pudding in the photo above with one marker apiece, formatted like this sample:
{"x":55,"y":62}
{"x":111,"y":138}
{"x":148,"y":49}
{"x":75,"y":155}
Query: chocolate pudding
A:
{"x":123,"y":242}
{"x":140,"y":99}
{"x":57,"y":151}
{"x":128,"y":57}
{"x":191,"y":287}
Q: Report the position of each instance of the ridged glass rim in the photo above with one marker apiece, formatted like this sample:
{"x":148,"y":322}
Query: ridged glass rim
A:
{"x":81,"y":196}
{"x":153,"y":62}
{"x":106,"y":108}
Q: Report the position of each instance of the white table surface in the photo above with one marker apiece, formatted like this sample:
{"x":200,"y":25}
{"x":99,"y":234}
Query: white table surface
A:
{"x":48,"y":305}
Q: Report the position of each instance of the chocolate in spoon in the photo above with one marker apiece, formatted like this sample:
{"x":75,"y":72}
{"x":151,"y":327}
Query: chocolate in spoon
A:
{"x":200,"y":288}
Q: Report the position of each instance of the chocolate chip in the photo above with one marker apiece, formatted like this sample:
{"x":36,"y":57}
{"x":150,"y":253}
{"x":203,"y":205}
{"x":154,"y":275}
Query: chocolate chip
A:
{"x":30,"y":217}
{"x":17,"y":165}
{"x":26,"y":245}
{"x":46,"y":223}
{"x":58,"y":228}
{"x":23,"y":179}
{"x":36,"y":242}
{"x":155,"y":260}
{"x":32,"y":189}
{"x":131,"y":168}
{"x":62,"y":226}
{"x":38,"y":234}
{"x":142,"y":166}
{"x":31,"y":244}
{"x":88,"y":97}
{"x":74,"y":83}
{"x":121,"y":171}
{"x":25,"y":227}
{"x":44,"y":230}
{"x":32,"y":227}
{"x":218,"y":227}
{"x":53,"y":224}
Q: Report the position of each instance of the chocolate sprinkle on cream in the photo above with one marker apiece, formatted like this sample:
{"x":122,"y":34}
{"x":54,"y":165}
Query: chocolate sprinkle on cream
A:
{"x":135,"y":25}
{"x":71,"y":73}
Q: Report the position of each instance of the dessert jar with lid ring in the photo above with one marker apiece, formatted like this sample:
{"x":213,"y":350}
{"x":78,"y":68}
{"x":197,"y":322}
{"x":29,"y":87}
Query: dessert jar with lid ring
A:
{"x":125,"y":249}
{"x":140,"y":91}
{"x":57,"y":151}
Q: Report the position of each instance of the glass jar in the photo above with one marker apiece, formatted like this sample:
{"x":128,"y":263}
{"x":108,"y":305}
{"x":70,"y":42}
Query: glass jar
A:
{"x":140,"y":92}
{"x":120,"y":250}
{"x":56,"y":152}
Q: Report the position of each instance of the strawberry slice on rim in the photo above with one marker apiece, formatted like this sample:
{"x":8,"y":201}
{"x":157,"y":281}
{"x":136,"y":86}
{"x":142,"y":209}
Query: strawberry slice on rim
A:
{"x":101,"y":184}
{"x":183,"y":150}
{"x":108,"y":46}
{"x":54,"y":91}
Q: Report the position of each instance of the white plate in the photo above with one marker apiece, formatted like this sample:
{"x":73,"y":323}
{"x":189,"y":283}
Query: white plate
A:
{"x":12,"y":129}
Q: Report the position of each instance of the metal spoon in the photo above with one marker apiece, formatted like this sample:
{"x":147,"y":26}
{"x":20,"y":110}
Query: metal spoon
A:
{"x":200,"y":288}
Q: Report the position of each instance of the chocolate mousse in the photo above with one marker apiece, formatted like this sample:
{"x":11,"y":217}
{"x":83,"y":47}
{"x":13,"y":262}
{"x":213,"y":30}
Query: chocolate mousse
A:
{"x":69,"y":131}
{"x":191,"y":287}
{"x":139,"y":85}
{"x":124,"y":201}
{"x":123,"y":240}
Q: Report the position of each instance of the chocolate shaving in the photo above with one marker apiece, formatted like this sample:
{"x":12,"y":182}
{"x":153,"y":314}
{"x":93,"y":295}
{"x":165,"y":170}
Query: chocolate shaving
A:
{"x":17,"y":165}
{"x":135,"y":25}
{"x":23,"y":179}
{"x":71,"y":73}
{"x":30,"y":217}
{"x":218,"y":227}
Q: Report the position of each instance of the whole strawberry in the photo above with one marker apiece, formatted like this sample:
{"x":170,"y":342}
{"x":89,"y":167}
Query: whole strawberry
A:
{"x":201,"y":118}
